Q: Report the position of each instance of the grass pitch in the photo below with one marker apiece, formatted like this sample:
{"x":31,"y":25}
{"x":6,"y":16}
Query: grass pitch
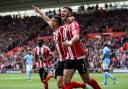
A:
{"x":18,"y":81}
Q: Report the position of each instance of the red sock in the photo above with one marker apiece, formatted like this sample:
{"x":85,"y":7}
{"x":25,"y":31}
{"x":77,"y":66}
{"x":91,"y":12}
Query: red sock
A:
{"x":46,"y":85}
{"x":94,"y":84}
{"x":68,"y":86}
{"x":48,"y":78}
{"x":78,"y":84}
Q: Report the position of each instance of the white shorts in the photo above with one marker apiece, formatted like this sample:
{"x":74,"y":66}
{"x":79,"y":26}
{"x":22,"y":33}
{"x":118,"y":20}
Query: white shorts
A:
{"x":29,"y":67}
{"x":105,"y":66}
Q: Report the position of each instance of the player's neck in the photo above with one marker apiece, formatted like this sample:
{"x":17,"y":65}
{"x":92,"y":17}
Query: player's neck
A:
{"x":66,"y":22}
{"x":56,"y":28}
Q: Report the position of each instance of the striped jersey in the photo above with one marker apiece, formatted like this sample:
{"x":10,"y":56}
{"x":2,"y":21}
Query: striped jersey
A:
{"x":58,"y":39}
{"x":125,"y":46}
{"x":76,"y":50}
{"x":43,"y":53}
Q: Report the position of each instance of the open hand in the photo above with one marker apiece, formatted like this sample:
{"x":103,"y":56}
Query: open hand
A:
{"x":65,"y":44}
{"x":36,"y":9}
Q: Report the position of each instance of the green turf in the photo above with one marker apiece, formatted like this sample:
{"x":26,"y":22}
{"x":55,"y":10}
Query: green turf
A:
{"x":17,"y":81}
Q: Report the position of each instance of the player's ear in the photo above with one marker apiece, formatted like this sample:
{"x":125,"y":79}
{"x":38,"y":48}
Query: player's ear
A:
{"x":55,"y":23}
{"x":71,"y":19}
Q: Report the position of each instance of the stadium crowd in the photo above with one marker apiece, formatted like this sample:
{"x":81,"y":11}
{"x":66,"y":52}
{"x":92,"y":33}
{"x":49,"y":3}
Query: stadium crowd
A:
{"x":21,"y":31}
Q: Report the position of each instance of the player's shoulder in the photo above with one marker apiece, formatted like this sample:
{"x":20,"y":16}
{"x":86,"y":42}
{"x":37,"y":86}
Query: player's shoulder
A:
{"x":26,"y":56}
{"x":74,"y":22}
{"x":36,"y":47}
{"x":61,"y":27}
{"x":32,"y":56}
{"x":106,"y":49}
{"x":45,"y":46}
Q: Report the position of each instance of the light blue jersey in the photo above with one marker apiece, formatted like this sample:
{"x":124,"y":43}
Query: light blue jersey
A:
{"x":29,"y":59}
{"x":107,"y":58}
{"x":29,"y":62}
{"x":106,"y":65}
{"x":107,"y":54}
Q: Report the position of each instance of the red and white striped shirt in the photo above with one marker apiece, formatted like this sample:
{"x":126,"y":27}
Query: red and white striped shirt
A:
{"x":76,"y":50}
{"x":58,"y":38}
{"x":125,"y":46}
{"x":45,"y":52}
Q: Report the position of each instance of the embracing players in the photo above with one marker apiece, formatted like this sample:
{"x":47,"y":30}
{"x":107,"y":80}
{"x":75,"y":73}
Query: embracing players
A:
{"x":67,"y":40}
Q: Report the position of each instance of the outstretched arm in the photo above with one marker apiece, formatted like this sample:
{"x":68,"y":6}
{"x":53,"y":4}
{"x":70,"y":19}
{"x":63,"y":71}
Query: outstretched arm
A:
{"x":45,"y":17}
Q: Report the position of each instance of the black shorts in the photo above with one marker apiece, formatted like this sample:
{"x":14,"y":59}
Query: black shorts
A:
{"x":80,"y":65}
{"x":43,"y":74}
{"x":59,"y":69}
{"x":105,"y":70}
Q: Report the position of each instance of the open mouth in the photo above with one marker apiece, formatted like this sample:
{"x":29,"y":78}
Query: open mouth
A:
{"x":62,"y":16}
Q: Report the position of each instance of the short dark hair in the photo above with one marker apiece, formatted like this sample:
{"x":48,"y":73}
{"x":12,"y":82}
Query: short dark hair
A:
{"x":40,"y":41}
{"x":59,"y":20}
{"x":107,"y":45}
{"x":68,"y":8}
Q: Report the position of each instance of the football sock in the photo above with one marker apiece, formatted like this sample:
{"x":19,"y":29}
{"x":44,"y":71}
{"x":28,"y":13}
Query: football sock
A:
{"x":94,"y":84}
{"x":78,"y":84}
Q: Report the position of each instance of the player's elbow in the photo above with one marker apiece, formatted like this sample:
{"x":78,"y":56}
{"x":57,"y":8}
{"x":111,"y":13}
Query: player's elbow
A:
{"x":77,"y":37}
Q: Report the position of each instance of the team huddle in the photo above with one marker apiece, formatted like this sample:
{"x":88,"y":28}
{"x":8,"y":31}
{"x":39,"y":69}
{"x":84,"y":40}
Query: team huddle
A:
{"x":71,"y":55}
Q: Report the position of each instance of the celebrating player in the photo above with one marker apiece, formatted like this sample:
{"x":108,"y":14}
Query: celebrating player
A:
{"x":55,"y":23}
{"x":76,"y":54}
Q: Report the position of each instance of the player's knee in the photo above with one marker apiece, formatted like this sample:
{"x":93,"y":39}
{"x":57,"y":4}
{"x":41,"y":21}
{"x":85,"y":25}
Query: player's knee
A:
{"x":60,"y":82}
{"x":60,"y":85}
{"x":66,"y":80}
{"x":87,"y":80}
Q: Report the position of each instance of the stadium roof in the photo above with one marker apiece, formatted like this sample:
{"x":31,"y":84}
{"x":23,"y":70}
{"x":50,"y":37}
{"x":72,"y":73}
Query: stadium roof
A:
{"x":13,"y":5}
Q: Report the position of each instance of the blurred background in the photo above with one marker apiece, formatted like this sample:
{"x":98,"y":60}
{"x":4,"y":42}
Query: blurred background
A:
{"x":101,"y":21}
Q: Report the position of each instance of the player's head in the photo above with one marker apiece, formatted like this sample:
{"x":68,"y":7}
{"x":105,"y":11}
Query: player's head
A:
{"x":40,"y":42}
{"x":106,"y":45}
{"x":66,"y":12}
{"x":29,"y":51}
{"x":56,"y":22}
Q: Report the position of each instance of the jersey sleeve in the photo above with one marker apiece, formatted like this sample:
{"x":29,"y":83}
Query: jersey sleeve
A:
{"x":25,"y":57}
{"x":49,"y":51}
{"x":75,"y":29}
{"x":104,"y":51}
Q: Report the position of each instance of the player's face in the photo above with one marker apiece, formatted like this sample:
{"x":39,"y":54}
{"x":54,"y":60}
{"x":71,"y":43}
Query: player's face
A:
{"x":65,"y":14}
{"x":54,"y":24}
{"x":29,"y":52}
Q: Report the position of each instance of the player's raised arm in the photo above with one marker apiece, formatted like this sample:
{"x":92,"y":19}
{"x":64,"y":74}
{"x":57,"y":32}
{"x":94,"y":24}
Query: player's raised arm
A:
{"x":45,"y":17}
